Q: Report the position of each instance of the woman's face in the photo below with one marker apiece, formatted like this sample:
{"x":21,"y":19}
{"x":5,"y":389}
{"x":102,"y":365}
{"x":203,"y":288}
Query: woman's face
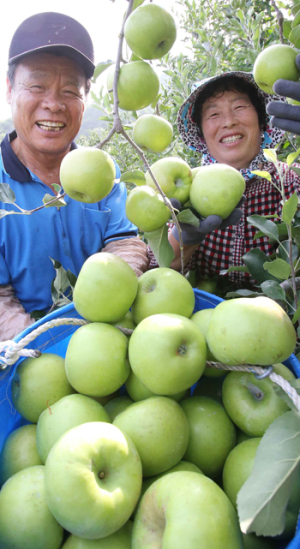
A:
{"x":231,"y":129}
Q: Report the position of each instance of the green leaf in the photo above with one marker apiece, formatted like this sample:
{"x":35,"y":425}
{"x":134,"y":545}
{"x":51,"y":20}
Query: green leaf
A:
{"x":294,"y":36}
{"x":187,"y":216}
{"x":278,"y":268}
{"x":57,"y":187}
{"x":263,"y":174}
{"x":7,"y":195}
{"x":58,"y":203}
{"x":160,"y":246}
{"x":295,"y":383}
{"x":283,"y":251}
{"x":286,"y":28}
{"x":100,"y":68}
{"x":289,"y":209}
{"x":235,"y":268}
{"x":272,"y":289}
{"x":269,"y":228}
{"x":292,"y":157}
{"x":255,"y":260}
{"x":61,"y":282}
{"x":137,"y":177}
{"x":243,"y":293}
{"x":296,"y":170}
{"x":295,"y":9}
{"x":296,"y":315}
{"x":263,"y":498}
{"x":71,"y":278}
{"x":270,"y":155}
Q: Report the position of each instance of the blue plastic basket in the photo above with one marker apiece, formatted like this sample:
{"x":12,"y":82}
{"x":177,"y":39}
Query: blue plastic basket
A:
{"x":55,"y":340}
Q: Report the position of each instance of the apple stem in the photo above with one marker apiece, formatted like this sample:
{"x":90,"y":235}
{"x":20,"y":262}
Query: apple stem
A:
{"x":257,"y":393}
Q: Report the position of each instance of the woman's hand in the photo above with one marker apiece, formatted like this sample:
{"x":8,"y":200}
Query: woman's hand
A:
{"x":284,"y":115}
{"x":194,"y":235}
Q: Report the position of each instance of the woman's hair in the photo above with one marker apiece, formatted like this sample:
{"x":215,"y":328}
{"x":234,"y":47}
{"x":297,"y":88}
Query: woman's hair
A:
{"x":230,"y":83}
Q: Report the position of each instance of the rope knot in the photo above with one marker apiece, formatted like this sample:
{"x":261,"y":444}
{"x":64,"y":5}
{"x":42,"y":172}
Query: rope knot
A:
{"x":10,"y":352}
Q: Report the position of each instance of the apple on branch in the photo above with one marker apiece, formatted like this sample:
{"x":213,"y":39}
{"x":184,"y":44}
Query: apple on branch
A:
{"x":150,"y":31}
{"x":152,"y":133}
{"x":174,"y":177}
{"x":146,"y":209}
{"x":138,"y":85}
{"x":87,"y":174}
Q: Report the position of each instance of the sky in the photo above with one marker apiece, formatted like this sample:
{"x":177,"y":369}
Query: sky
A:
{"x":102,"y":19}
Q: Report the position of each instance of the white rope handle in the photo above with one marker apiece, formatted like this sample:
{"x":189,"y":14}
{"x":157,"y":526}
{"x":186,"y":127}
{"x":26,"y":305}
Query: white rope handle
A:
{"x":279,"y":380}
{"x":13,"y":351}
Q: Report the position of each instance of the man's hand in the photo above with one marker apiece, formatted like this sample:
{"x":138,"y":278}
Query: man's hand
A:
{"x":13,"y":318}
{"x":194,"y":235}
{"x":286,"y":116}
{"x":133,"y":250}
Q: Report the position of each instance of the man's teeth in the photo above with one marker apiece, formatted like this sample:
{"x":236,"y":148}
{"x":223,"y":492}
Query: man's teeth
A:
{"x":231,"y":139}
{"x":50,"y":126}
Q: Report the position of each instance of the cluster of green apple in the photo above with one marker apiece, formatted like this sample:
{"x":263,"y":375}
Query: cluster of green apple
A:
{"x":214,"y":189}
{"x":97,"y":470}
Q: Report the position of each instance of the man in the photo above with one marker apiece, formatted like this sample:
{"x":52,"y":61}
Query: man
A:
{"x":51,"y":62}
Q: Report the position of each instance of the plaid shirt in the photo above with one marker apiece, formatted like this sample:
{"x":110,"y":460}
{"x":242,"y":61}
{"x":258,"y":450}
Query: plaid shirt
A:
{"x":224,"y":248}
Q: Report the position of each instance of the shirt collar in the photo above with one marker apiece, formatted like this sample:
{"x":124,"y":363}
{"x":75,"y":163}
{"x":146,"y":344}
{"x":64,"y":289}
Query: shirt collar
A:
{"x":12,"y":164}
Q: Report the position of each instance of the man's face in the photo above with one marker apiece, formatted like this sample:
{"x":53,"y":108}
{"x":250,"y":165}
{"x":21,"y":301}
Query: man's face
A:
{"x":47,"y":101}
{"x":231,"y":129}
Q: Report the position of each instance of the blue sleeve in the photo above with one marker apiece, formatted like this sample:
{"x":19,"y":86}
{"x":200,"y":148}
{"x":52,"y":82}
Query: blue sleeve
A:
{"x":118,"y":226}
{"x":4,"y":272}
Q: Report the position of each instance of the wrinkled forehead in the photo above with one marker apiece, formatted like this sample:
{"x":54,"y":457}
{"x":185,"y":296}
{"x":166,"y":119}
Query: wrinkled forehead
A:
{"x":44,"y":65}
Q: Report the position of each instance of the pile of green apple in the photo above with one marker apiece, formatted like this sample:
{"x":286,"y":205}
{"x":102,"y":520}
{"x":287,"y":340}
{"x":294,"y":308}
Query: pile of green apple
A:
{"x":211,"y":190}
{"x":119,"y":451}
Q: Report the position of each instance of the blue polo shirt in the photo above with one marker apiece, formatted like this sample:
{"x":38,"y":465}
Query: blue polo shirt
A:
{"x":69,"y":234}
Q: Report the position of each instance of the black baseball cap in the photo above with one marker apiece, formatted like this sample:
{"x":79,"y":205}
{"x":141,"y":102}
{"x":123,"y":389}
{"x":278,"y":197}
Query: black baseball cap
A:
{"x":53,"y":32}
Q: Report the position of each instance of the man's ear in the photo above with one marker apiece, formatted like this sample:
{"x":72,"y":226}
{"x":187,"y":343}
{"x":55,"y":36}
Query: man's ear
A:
{"x":8,"y":90}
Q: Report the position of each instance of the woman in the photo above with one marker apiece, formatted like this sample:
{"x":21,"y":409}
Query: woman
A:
{"x":225,"y":120}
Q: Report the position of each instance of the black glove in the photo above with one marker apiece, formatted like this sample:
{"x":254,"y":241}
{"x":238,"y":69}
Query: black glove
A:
{"x":195,"y":235}
{"x":286,"y":116}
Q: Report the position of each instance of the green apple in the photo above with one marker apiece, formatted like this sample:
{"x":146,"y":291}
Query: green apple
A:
{"x":210,"y":387}
{"x":87,"y":174}
{"x":162,"y":290}
{"x":25,"y":520}
{"x":174,"y":177}
{"x":126,"y":322}
{"x":67,"y":413}
{"x":117,"y":405}
{"x":146,"y":209}
{"x":252,"y":404}
{"x":195,"y":171}
{"x":137,"y":390}
{"x":159,"y":429}
{"x":152,"y":133}
{"x":138,"y":85}
{"x":105,"y":288}
{"x":96,"y":359}
{"x":212,"y":434}
{"x":167,"y":352}
{"x":93,"y":478}
{"x":275,"y":62}
{"x":150,"y":31}
{"x":118,"y":540}
{"x":216,"y":190}
{"x":207,"y":285}
{"x":250,"y":330}
{"x":238,"y":467}
{"x":201,"y":319}
{"x":38,"y":383}
{"x":186,"y":510}
{"x":19,"y":451}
